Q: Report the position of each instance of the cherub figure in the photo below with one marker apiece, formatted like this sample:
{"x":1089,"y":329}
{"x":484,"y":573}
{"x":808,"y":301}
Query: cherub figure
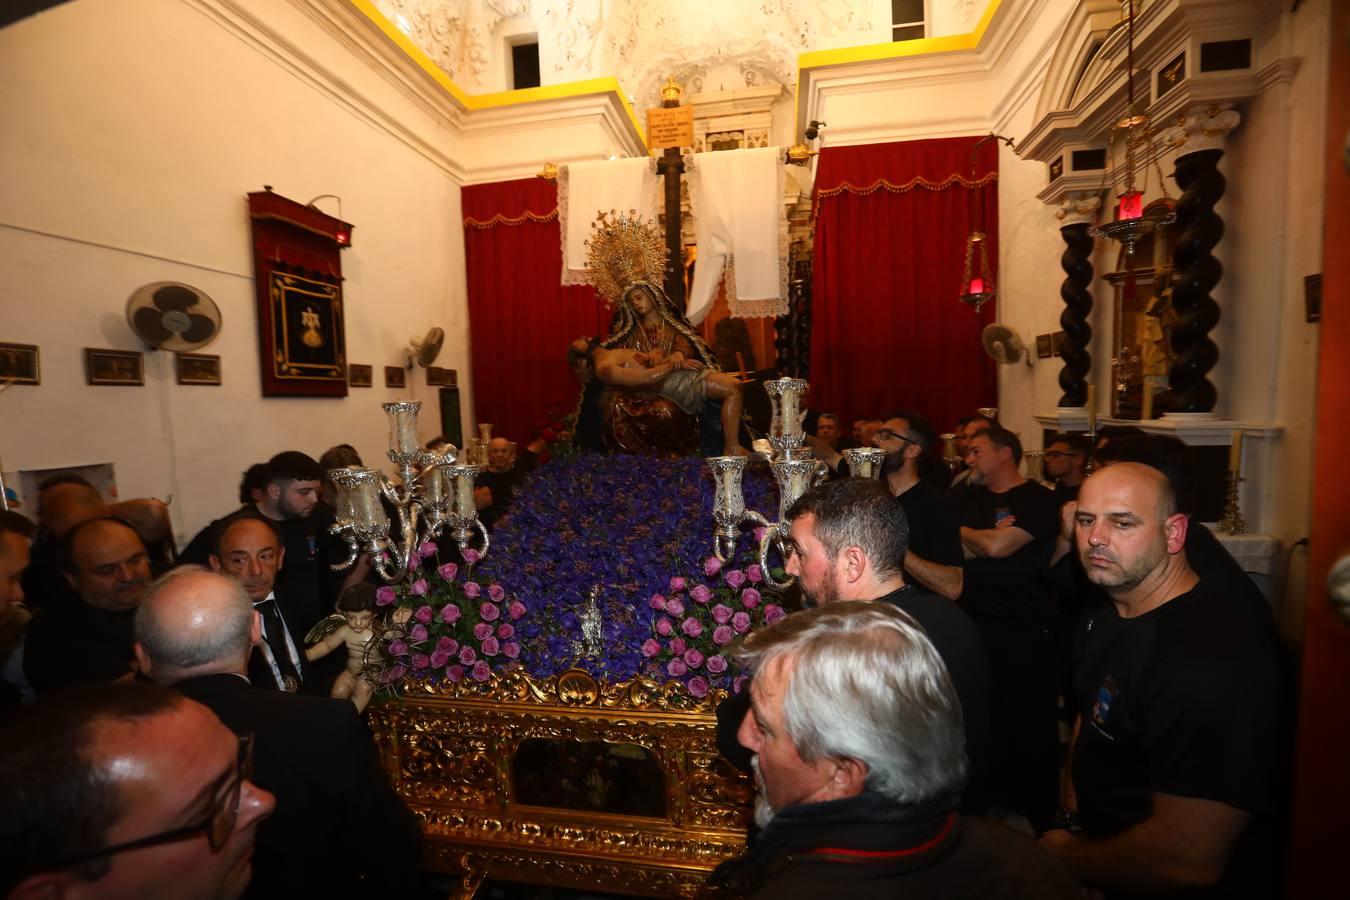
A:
{"x":353,"y":625}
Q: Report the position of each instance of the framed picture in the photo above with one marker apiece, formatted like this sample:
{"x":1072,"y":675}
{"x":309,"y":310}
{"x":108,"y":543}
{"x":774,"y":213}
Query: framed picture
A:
{"x":452,"y":425}
{"x":359,"y":375}
{"x":1044,"y":346}
{"x":395,"y":377}
{"x":114,"y":367}
{"x":1056,"y":343}
{"x":436,"y":376}
{"x":198,"y":368}
{"x":20,"y":364}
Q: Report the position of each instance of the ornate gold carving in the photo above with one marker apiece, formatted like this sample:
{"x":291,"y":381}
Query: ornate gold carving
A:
{"x":671,"y":90}
{"x":549,"y":172}
{"x":624,"y":249}
{"x":450,"y":750}
{"x":799,"y":155}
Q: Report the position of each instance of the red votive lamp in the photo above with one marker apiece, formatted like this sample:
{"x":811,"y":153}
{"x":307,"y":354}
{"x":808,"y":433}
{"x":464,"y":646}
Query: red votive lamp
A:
{"x":976,"y":286}
{"x":1131,"y":206}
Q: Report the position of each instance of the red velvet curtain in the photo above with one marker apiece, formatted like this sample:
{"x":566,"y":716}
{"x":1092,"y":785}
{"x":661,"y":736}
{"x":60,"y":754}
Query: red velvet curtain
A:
{"x":888,"y":331}
{"x":521,"y":318}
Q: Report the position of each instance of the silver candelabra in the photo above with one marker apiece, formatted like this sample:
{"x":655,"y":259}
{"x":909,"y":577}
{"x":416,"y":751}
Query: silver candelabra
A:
{"x":426,"y":502}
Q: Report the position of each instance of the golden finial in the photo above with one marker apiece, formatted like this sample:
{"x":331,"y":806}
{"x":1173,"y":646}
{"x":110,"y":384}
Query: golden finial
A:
{"x":799,"y":155}
{"x":671,"y":90}
{"x":624,"y":249}
{"x":549,"y":172}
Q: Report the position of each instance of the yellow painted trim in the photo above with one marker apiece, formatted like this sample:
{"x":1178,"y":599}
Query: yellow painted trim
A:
{"x":588,"y":87}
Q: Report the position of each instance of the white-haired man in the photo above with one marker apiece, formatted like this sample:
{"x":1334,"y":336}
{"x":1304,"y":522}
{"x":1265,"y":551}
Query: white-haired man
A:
{"x":857,"y":737}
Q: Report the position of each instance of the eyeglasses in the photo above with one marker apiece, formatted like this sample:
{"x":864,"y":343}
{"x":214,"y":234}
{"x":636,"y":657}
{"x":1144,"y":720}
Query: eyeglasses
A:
{"x":886,"y":434}
{"x":1056,"y":454}
{"x":218,"y":822}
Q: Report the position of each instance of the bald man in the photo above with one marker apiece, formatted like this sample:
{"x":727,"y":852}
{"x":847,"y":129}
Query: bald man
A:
{"x":338,"y":830}
{"x":503,"y":476}
{"x":1174,"y":765}
{"x":86,"y":637}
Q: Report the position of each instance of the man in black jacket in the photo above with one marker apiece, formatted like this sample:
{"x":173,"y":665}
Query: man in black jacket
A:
{"x":339,"y":830}
{"x":857,"y":737}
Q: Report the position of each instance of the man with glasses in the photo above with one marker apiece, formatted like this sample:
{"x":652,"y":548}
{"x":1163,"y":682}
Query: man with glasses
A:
{"x":1065,"y":463}
{"x":340,"y":830}
{"x":125,"y":791}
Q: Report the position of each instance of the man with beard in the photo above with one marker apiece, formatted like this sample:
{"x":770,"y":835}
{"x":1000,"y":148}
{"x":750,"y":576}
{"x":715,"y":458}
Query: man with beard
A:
{"x":1008,"y":527}
{"x":88,"y":637}
{"x":856,"y":735}
{"x":291,"y":503}
{"x":848,"y":541}
{"x":1174,"y":765}
{"x":934,"y":559}
{"x":1065,"y":463}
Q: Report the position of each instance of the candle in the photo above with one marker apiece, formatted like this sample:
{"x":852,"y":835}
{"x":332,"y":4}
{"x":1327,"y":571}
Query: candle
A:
{"x":792,"y":426}
{"x":1131,"y":206}
{"x":977,"y":285}
{"x":1092,"y":408}
{"x":364,"y":495}
{"x":403,"y":427}
{"x":1148,"y":401}
{"x":1235,"y":452}
{"x":463,"y":477}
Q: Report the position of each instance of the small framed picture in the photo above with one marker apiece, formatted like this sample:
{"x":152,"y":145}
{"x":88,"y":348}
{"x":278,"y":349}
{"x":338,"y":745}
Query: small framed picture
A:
{"x":20,"y":364}
{"x":359,"y":375}
{"x":451,"y":378}
{"x":1044,"y":346}
{"x":114,"y":367}
{"x":1056,"y":343}
{"x":435,"y":376}
{"x":395,"y":377}
{"x":198,"y":368}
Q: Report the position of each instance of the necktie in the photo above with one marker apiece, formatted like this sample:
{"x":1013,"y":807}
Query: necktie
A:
{"x":274,"y":633}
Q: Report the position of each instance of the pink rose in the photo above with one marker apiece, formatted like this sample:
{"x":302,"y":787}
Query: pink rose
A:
{"x":470,"y":556}
{"x":491,"y":647}
{"x":455,"y":673}
{"x":691,"y":627}
{"x":510,"y":650}
{"x":759,"y":534}
{"x":737,"y":684}
{"x":750,"y":598}
{"x":741,"y":622}
{"x":721,"y":614}
{"x":678,"y":646}
{"x":472,"y":589}
{"x":489,"y":612}
{"x":481,"y":671}
{"x":723,"y":635}
{"x":423,"y":615}
{"x":496,"y":593}
{"x":450,"y":613}
{"x":418,"y":633}
{"x":414,"y":562}
{"x":693,"y":658}
{"x":711,"y":566}
{"x":467,"y":656}
{"x":384,"y":595}
{"x":677,"y":667}
{"x":755,"y":573}
{"x":427,"y":549}
{"x":517,"y":609}
{"x":506,"y":631}
{"x":735,"y":578}
{"x":398,"y":647}
{"x":419,"y":587}
{"x":675,"y":607}
{"x":448,"y":571}
{"x":698,"y":686}
{"x":439,"y":659}
{"x":657,"y":602}
{"x":677,"y":583}
{"x":717,"y":664}
{"x":482,"y":631}
{"x":664,"y":626}
{"x":701,"y":594}
{"x":773,"y":613}
{"x":650,"y":647}
{"x":421,"y":661}
{"x":447,"y":645}
{"x":397,"y":672}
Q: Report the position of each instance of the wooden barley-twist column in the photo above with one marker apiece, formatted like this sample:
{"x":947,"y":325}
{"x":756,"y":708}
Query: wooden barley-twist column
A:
{"x":1077,"y":215}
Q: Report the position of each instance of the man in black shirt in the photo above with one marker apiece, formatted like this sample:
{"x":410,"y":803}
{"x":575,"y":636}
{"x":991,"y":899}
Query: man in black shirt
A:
{"x":1008,"y":525}
{"x":504,"y":475}
{"x":1174,"y":766}
{"x":1065,"y":463}
{"x":934,"y":560}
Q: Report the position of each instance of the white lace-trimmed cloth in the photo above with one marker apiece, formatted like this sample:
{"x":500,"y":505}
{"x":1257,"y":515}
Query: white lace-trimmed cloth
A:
{"x":740,"y":223}
{"x":586,"y":189}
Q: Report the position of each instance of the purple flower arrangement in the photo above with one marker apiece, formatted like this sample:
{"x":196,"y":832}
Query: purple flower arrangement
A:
{"x":629,"y":530}
{"x":452,"y":624}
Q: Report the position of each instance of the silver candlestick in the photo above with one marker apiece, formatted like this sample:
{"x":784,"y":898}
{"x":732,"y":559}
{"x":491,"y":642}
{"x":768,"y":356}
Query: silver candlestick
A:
{"x":865,"y":462}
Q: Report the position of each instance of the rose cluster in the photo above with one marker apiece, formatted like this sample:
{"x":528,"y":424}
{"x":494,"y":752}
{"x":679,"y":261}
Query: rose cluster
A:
{"x":449,"y":623}
{"x":697,"y":620}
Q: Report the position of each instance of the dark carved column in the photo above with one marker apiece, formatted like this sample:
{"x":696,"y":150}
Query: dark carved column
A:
{"x":1197,"y":272}
{"x":1077,"y":265}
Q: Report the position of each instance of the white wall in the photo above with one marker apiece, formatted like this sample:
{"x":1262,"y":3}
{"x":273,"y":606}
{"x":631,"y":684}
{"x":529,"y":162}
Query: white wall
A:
{"x":132,"y":132}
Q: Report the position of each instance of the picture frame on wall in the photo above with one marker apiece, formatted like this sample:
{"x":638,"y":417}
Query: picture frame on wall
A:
{"x":199,"y":368}
{"x":1056,"y":342}
{"x":395,"y":377}
{"x":360,"y":376}
{"x":20,"y":364}
{"x":1044,"y":346}
{"x":435,"y":376}
{"x":114,"y":368}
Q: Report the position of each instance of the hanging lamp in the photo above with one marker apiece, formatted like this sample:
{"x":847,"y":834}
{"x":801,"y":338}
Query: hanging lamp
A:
{"x":977,"y":277}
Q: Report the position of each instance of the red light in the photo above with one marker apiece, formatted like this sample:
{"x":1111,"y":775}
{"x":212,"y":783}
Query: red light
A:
{"x":976,"y":286}
{"x":343,"y":237}
{"x":1131,"y":206}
